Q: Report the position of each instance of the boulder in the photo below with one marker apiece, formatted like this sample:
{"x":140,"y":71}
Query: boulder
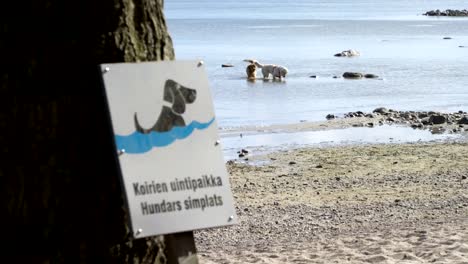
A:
{"x":330,"y":116}
{"x":380,"y":110}
{"x":463,"y":121}
{"x":422,"y":115}
{"x":425,"y":121}
{"x":437,"y":119}
{"x":370,"y":76}
{"x":352,"y":75}
{"x":348,"y":53}
{"x":417,"y":125}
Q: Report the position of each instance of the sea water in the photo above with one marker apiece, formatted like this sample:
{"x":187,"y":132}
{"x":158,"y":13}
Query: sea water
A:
{"x":418,"y":69}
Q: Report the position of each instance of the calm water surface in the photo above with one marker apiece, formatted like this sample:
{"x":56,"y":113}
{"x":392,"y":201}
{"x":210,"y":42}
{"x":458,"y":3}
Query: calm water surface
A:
{"x":419,"y":69}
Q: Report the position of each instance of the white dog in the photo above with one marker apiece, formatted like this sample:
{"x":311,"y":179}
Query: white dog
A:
{"x":275,"y":70}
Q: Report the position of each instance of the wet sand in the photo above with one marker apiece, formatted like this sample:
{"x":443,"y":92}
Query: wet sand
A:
{"x":386,"y":203}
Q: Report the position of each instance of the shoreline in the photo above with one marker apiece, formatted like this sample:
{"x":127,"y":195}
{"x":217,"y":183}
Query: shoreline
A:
{"x":446,"y":122}
{"x":353,"y":128}
{"x":381,"y":203}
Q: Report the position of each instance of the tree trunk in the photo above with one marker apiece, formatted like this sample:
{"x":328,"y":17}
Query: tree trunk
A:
{"x":61,"y":196}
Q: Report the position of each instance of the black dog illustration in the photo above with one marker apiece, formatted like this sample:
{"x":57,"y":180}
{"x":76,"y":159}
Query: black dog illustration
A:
{"x":178,"y":96}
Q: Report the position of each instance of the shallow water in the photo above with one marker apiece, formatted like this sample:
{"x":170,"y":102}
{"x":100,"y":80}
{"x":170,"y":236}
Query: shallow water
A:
{"x":261,"y":143}
{"x":419,"y":70}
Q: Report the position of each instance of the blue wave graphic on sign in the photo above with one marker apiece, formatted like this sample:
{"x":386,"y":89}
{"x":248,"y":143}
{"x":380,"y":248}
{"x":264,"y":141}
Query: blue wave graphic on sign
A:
{"x":138,"y":143}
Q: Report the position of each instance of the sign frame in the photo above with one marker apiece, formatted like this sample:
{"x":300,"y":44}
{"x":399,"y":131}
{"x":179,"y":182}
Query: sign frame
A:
{"x":172,"y":171}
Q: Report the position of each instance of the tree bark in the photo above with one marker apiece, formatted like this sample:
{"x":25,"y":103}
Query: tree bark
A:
{"x":60,"y":192}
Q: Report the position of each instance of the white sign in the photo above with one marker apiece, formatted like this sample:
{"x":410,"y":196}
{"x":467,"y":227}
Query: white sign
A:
{"x":166,"y":133}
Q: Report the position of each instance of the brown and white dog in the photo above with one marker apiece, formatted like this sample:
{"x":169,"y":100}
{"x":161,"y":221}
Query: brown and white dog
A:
{"x":276,"y":71}
{"x":251,"y":72}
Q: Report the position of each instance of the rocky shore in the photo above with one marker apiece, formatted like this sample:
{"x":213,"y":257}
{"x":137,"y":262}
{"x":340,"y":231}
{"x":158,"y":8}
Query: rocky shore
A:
{"x":448,"y":12}
{"x":436,"y":122}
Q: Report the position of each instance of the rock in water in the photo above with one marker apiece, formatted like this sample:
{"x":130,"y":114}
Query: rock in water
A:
{"x":371,"y":76}
{"x":347,"y":53}
{"x":448,"y":12}
{"x":352,"y":75}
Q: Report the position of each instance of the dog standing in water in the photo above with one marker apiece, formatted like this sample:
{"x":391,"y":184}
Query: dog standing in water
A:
{"x":276,"y":71}
{"x":251,"y":72}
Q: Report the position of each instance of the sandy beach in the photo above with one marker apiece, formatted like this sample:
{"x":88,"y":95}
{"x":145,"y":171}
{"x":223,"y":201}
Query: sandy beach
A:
{"x":385,"y":203}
